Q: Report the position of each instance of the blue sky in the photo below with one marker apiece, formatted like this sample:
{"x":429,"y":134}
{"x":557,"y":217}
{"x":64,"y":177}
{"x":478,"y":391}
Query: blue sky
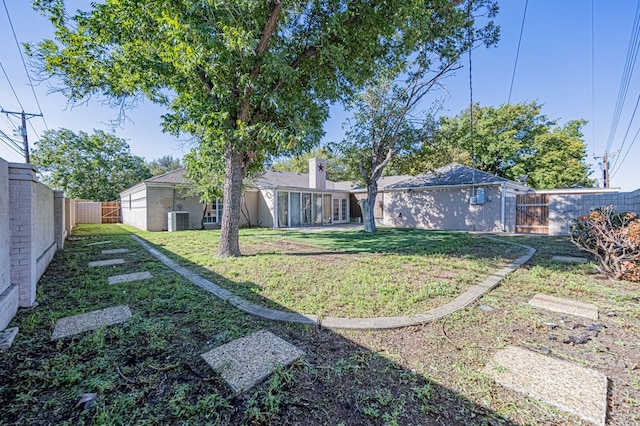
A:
{"x":554,"y":68}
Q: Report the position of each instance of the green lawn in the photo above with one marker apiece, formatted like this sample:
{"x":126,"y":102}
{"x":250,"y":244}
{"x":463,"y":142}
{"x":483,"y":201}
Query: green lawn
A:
{"x":148,"y":371}
{"x":345,"y":273}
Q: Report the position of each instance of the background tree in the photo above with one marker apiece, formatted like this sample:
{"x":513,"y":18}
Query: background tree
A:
{"x":387,"y":123}
{"x":514,"y":141}
{"x":248,"y":78}
{"x":336,"y":168}
{"x":88,"y":167}
{"x":163,"y":165}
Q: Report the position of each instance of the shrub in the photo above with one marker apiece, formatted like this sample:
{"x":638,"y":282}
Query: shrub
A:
{"x":613,"y":238}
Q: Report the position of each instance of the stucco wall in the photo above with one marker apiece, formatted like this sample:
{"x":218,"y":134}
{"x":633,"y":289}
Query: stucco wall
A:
{"x":70,"y":207}
{"x":564,"y":209}
{"x":134,"y":208}
{"x":44,"y":239}
{"x":266,"y":209}
{"x":250,"y":207}
{"x":188,"y":203}
{"x":89,"y":212}
{"x":447,"y":209}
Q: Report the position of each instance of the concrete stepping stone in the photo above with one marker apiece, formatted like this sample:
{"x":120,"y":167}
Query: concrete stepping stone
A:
{"x":108,"y":262}
{"x":570,"y":259}
{"x":567,"y":386}
{"x":6,"y":337}
{"x":125,"y":278}
{"x":76,"y":324}
{"x":98,"y":243}
{"x":245,"y":362}
{"x":115,"y":251}
{"x":565,"y":306}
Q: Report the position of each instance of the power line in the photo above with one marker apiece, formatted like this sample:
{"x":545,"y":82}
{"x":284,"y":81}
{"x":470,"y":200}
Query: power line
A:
{"x":11,"y":86}
{"x":15,"y":37}
{"x":624,"y":140}
{"x":627,"y":153}
{"x":515,"y":65}
{"x":632,"y":55}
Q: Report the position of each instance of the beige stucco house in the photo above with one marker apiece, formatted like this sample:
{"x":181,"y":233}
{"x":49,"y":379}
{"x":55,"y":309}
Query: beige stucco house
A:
{"x":454,"y":197}
{"x":273,"y":199}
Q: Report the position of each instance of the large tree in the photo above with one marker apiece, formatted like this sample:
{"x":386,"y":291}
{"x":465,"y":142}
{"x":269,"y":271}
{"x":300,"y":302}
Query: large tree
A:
{"x":88,"y":166}
{"x":247,"y":78}
{"x":514,"y":141}
{"x":389,"y":122}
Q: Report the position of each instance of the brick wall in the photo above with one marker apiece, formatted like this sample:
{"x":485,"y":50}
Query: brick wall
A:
{"x":32,"y":228}
{"x":8,"y":290}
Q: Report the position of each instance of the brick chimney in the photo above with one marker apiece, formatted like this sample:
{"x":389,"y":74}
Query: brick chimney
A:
{"x":317,"y":173}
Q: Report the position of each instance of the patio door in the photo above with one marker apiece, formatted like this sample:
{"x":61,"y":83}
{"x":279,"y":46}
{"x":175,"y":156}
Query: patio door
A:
{"x":340,"y":209}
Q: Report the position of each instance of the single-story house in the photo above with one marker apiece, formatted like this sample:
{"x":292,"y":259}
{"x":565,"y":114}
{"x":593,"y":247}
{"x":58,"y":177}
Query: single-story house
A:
{"x":454,"y":197}
{"x":274,"y":199}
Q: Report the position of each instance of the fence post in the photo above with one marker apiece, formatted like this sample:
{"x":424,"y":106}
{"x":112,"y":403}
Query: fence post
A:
{"x":59,"y":218}
{"x":22,"y":199}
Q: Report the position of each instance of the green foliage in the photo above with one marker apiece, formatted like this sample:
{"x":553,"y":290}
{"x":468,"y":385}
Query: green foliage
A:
{"x":336,"y":166}
{"x":163,"y":165}
{"x":512,"y":140}
{"x":88,"y":167}
{"x":613,"y":238}
{"x":249,"y":78}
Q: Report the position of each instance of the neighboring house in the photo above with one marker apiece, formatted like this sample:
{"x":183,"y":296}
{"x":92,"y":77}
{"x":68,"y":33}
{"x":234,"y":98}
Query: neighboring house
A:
{"x":453,"y":197}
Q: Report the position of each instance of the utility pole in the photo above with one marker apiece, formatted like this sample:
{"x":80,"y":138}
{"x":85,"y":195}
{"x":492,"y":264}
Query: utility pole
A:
{"x":23,"y":129}
{"x":605,"y":168}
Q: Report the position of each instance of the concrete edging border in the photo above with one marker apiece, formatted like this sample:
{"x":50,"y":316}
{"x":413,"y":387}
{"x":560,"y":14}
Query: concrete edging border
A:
{"x":458,"y":303}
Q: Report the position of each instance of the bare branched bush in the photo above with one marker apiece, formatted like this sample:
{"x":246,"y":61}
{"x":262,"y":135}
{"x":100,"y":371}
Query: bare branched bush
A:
{"x":613,"y":238}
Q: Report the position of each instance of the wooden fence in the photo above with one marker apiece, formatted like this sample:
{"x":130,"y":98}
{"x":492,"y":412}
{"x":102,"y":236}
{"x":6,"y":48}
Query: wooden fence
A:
{"x":532,"y":213}
{"x":111,"y":212}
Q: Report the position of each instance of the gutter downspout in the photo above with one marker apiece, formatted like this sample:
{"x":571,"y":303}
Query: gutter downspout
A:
{"x":503,"y":207}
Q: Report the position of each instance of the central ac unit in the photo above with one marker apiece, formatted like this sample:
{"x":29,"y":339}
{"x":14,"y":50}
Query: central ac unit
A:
{"x":178,"y":221}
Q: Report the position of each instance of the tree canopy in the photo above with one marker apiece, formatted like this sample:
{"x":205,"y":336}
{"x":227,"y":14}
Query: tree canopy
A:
{"x":86,"y":166}
{"x":514,"y":141}
{"x":163,"y":164}
{"x":247,"y":78}
{"x":388,"y":122}
{"x":336,"y":169}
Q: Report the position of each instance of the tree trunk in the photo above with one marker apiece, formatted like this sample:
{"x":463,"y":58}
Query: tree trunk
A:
{"x":368,"y":206}
{"x":229,"y":245}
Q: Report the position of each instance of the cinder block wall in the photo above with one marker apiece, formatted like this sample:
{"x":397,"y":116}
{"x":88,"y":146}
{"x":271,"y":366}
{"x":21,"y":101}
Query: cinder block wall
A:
{"x":564,"y":209}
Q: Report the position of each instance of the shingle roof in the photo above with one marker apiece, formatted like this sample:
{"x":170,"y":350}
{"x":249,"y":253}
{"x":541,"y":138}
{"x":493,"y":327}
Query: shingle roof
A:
{"x":270,"y":179}
{"x":383,"y":182}
{"x":452,"y":174}
{"x":174,"y":176}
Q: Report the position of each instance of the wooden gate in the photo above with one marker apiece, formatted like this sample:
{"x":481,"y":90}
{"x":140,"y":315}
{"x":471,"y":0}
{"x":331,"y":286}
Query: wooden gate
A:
{"x":532,"y":213}
{"x":111,"y":212}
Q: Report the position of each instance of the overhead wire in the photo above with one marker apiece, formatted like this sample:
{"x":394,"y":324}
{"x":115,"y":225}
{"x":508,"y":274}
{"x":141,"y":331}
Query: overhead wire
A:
{"x":15,"y":37}
{"x":11,"y":85}
{"x":626,"y":153}
{"x":624,"y":140}
{"x":632,"y":55}
{"x":515,"y":65}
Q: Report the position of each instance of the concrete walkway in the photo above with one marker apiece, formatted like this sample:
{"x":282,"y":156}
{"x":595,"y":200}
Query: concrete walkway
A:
{"x":458,"y":303}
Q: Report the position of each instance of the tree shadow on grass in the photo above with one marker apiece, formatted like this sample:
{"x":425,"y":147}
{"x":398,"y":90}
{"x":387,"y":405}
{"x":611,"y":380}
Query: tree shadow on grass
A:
{"x":149,"y":369}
